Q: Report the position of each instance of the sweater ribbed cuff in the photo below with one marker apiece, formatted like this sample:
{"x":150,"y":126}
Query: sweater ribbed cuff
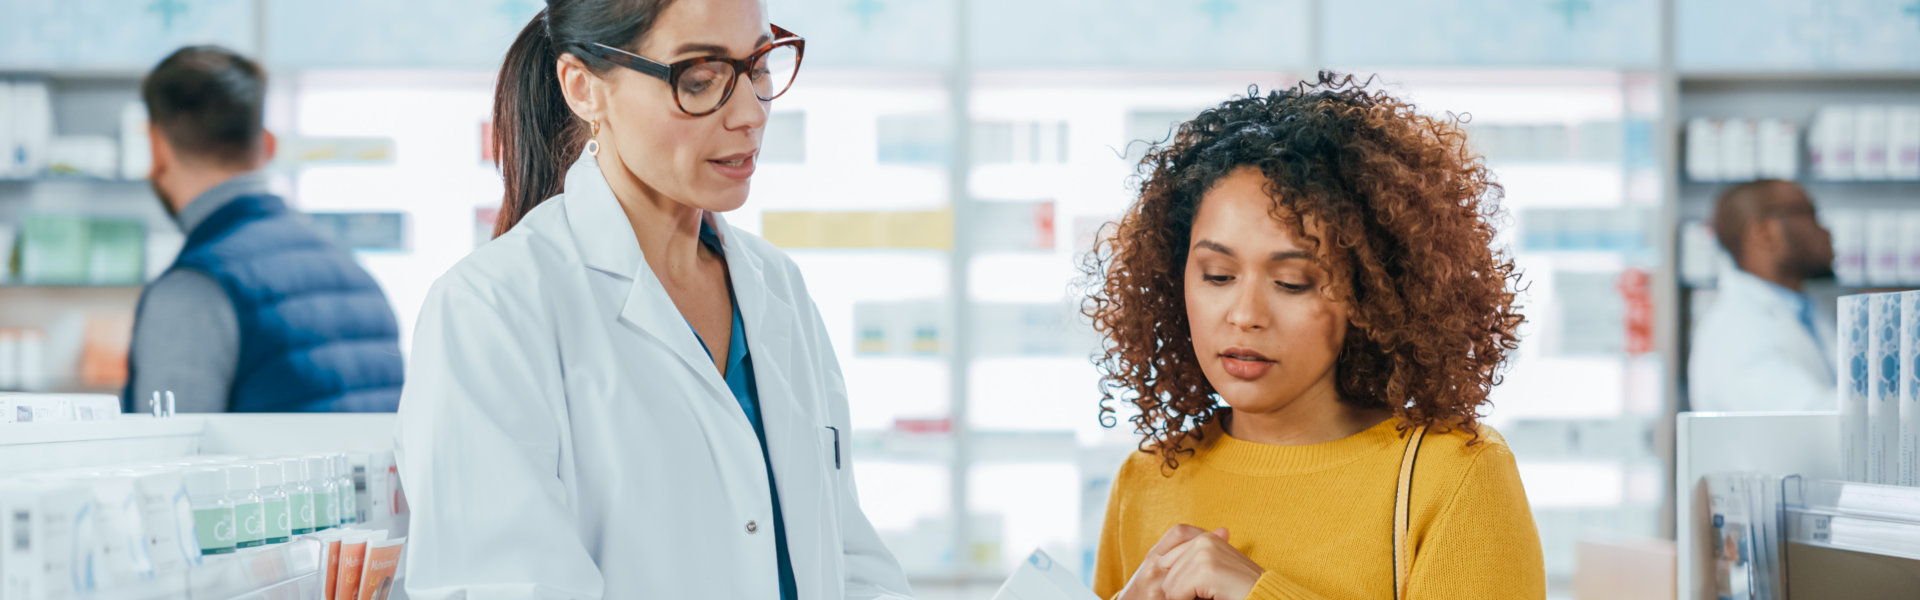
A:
{"x":1272,"y":586}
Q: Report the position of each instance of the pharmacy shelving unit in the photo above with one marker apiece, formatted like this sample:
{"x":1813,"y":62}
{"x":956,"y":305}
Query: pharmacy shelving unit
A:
{"x":84,"y":102}
{"x":1793,"y":96}
{"x":285,"y":571}
{"x":1761,"y":59}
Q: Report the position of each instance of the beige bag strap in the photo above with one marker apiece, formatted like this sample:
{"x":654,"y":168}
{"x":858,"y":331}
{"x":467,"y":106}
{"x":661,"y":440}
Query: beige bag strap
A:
{"x":1402,"y":499}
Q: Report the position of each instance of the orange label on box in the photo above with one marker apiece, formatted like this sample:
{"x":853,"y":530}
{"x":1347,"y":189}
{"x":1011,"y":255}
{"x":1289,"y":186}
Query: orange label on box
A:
{"x":351,"y":556}
{"x":333,"y":568}
{"x":382,"y":565}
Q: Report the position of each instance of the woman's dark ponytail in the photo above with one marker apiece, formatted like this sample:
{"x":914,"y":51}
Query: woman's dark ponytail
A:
{"x":536,"y":137}
{"x":533,"y":130}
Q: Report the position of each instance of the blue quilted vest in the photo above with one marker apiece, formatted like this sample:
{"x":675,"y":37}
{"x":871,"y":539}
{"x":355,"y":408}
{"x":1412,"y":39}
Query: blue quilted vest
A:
{"x":316,"y":332}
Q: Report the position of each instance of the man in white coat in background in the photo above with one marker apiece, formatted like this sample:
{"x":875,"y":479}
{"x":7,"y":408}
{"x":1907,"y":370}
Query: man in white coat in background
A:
{"x":1762,"y":345}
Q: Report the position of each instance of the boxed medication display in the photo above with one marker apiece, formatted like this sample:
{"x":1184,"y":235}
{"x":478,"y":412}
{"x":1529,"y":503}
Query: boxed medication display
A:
{"x":1883,"y":395}
{"x":1870,"y":142}
{"x":1852,"y":366}
{"x":1739,"y":150}
{"x":1703,"y":150}
{"x":1908,"y":467}
{"x":138,"y":530}
{"x":1903,"y":143}
{"x":1878,"y":354}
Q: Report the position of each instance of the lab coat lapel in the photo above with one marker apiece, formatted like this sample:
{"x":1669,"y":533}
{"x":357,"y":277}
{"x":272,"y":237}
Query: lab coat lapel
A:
{"x":605,"y":240}
{"x":793,"y":435}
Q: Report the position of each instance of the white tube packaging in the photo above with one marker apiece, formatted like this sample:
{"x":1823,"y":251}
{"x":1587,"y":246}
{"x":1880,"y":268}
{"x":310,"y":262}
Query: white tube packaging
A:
{"x":167,"y":514}
{"x":32,"y":126}
{"x":1831,"y":144}
{"x":1903,"y":143}
{"x":1909,"y":463}
{"x":1909,"y":247}
{"x":1849,"y":229}
{"x":1883,"y":247}
{"x":112,"y":528}
{"x":1883,"y":391}
{"x":8,"y":139}
{"x":136,"y":151}
{"x":53,"y":560}
{"x":1779,"y":149}
{"x":1870,"y":142}
{"x":1703,"y":150}
{"x":1739,"y":149}
{"x":1852,"y":349}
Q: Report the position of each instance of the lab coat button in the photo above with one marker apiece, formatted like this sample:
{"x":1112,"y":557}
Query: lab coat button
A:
{"x":753,"y":526}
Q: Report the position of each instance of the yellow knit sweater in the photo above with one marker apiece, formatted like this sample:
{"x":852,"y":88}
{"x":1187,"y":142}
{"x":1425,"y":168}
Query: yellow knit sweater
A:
{"x":1319,"y":518}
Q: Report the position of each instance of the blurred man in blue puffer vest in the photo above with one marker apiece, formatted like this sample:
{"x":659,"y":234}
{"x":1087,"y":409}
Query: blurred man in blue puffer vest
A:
{"x":259,"y":313}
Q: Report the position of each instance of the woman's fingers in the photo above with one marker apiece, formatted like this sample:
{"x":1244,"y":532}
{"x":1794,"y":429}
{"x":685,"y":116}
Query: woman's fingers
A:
{"x":1173,"y":538}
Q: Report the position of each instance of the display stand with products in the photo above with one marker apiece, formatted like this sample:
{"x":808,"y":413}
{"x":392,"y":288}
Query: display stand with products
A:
{"x":1840,"y":539}
{"x":50,"y":467}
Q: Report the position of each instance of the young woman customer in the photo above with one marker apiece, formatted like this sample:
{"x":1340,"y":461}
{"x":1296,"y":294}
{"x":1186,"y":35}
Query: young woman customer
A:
{"x":1305,"y":309}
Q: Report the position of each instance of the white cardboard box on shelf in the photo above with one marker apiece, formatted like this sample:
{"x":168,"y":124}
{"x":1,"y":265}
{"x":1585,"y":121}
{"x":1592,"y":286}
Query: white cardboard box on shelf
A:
{"x":136,"y":151}
{"x":1830,"y":143}
{"x":1849,"y":229}
{"x":7,"y":135}
{"x":1909,"y":248}
{"x":1903,"y":143}
{"x":1703,"y":149}
{"x":1700,"y":254}
{"x":45,"y":552}
{"x":32,"y":128}
{"x":1853,"y":334}
{"x":1883,"y":246}
{"x":1883,"y":391}
{"x":41,"y":408}
{"x":1909,"y":462}
{"x":1870,"y":143}
{"x":1739,"y":149}
{"x":1779,"y":149}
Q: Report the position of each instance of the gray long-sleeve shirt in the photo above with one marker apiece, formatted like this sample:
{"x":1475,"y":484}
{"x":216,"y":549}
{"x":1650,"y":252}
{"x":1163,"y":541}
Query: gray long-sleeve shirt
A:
{"x":187,"y":338}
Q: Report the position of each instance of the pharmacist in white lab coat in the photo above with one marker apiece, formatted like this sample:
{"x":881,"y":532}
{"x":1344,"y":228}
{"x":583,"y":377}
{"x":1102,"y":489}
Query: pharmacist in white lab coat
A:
{"x":622,"y":396}
{"x":1762,"y":345}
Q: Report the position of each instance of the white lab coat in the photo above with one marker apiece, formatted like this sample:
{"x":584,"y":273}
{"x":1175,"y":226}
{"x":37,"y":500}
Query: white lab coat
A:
{"x":1751,"y":353}
{"x":563,"y":434}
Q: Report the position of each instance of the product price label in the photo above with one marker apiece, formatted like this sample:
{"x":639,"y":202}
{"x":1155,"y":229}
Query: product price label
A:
{"x":302,"y":506}
{"x":252,"y":518}
{"x":279,"y":521}
{"x":326,"y":510}
{"x":215,"y":529}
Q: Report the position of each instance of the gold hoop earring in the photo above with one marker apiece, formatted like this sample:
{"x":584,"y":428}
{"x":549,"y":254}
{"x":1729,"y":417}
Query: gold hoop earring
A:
{"x":593,"y":145}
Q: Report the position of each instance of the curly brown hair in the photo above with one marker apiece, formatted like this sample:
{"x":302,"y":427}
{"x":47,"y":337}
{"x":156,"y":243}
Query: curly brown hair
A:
{"x":1407,"y":213}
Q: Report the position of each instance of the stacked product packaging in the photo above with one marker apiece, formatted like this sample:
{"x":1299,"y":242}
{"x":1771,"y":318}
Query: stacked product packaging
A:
{"x":1878,"y":358}
{"x":88,"y":532}
{"x":1879,"y":365}
{"x":1844,"y":143}
{"x":1748,"y":535}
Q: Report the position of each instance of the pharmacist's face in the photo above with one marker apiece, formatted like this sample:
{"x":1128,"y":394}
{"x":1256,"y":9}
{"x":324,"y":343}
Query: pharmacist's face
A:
{"x":705,"y":161}
{"x":1266,"y":330}
{"x":1809,"y":247}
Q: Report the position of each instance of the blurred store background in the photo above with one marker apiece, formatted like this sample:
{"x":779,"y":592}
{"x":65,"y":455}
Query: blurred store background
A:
{"x":942,"y":165}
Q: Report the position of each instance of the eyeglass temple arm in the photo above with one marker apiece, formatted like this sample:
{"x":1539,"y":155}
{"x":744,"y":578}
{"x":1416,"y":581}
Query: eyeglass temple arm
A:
{"x":633,"y":61}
